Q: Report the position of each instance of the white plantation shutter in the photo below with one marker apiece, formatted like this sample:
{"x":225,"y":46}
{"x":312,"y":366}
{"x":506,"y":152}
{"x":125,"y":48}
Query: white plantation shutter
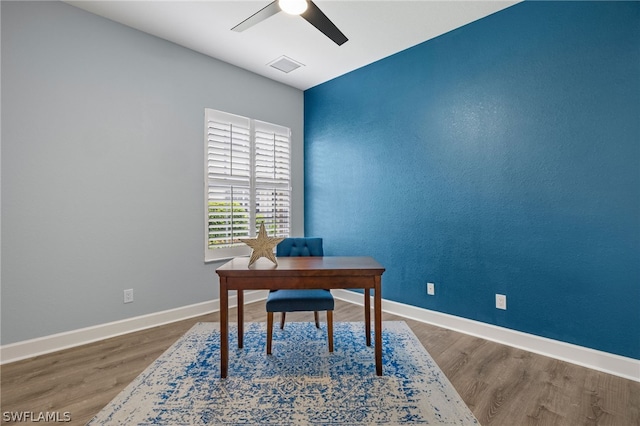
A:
{"x":247,"y":181}
{"x":272,"y":178}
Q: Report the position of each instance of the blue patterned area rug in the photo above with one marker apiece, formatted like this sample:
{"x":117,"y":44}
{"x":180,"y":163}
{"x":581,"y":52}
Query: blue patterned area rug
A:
{"x":300,"y":384}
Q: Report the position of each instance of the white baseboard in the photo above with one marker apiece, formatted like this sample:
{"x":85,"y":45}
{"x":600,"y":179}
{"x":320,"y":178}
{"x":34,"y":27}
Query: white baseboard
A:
{"x":628,"y":368}
{"x":56,"y":342}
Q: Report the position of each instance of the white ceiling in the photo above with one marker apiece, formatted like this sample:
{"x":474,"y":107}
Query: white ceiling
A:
{"x":375,"y":28}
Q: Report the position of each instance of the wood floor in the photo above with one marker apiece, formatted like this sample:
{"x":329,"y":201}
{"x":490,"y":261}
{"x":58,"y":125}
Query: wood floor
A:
{"x":501,"y":385}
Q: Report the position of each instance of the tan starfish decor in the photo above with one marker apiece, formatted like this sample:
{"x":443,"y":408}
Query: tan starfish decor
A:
{"x":262,"y":246}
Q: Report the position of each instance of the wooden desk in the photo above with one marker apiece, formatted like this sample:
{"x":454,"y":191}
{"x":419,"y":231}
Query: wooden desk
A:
{"x":300,"y":272}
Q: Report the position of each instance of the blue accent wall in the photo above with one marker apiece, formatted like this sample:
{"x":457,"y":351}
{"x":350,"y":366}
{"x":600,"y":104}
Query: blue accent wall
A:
{"x":502,"y":157}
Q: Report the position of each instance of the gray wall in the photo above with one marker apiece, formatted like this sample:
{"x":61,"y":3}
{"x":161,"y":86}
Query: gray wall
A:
{"x":102,"y":167}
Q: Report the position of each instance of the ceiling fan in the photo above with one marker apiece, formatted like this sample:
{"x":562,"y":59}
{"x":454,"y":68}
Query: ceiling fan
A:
{"x":305,"y":8}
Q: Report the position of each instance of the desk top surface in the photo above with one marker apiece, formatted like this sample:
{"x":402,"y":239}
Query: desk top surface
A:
{"x":303,"y":265}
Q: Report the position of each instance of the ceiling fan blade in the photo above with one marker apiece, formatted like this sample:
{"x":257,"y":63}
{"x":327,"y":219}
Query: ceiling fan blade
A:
{"x":267,"y":11}
{"x":318,"y":19}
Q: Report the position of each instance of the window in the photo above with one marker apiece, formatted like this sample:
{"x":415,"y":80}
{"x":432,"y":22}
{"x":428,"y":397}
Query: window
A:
{"x":247,"y":182}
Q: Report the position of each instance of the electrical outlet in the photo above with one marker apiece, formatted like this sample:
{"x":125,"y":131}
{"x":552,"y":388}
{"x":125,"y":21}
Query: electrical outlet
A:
{"x":431,"y":289}
{"x":501,"y":301}
{"x":128,"y":296}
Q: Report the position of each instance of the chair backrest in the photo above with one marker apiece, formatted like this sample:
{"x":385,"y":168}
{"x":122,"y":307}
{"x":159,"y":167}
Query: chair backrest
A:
{"x":300,"y":247}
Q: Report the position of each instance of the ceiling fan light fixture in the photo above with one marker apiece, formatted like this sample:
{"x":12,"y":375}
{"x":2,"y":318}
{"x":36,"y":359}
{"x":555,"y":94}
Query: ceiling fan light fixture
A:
{"x":293,"y":7}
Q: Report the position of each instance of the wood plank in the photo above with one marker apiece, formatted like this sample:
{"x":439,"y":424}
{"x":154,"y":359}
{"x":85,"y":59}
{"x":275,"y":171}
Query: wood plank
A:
{"x":502,"y":385}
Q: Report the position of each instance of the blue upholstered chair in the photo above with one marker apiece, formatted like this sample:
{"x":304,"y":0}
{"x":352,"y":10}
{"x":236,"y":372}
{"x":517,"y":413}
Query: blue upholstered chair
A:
{"x":300,"y":300}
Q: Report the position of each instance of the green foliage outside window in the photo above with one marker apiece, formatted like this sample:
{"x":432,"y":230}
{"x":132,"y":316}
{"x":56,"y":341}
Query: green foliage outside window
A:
{"x":220,"y":225}
{"x":221,"y":231}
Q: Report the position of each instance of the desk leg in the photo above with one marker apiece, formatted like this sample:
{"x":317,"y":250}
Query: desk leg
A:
{"x":240,"y":318}
{"x":367,"y":316}
{"x":224,"y":327}
{"x":378,"y":324}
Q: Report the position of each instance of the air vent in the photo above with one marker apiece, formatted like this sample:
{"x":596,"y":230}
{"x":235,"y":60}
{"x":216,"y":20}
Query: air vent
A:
{"x":285,"y":64}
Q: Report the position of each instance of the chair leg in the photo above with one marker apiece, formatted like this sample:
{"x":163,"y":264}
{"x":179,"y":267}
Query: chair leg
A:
{"x":317,"y":318}
{"x":330,"y":329}
{"x":269,"y":331}
{"x":282,"y":321}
